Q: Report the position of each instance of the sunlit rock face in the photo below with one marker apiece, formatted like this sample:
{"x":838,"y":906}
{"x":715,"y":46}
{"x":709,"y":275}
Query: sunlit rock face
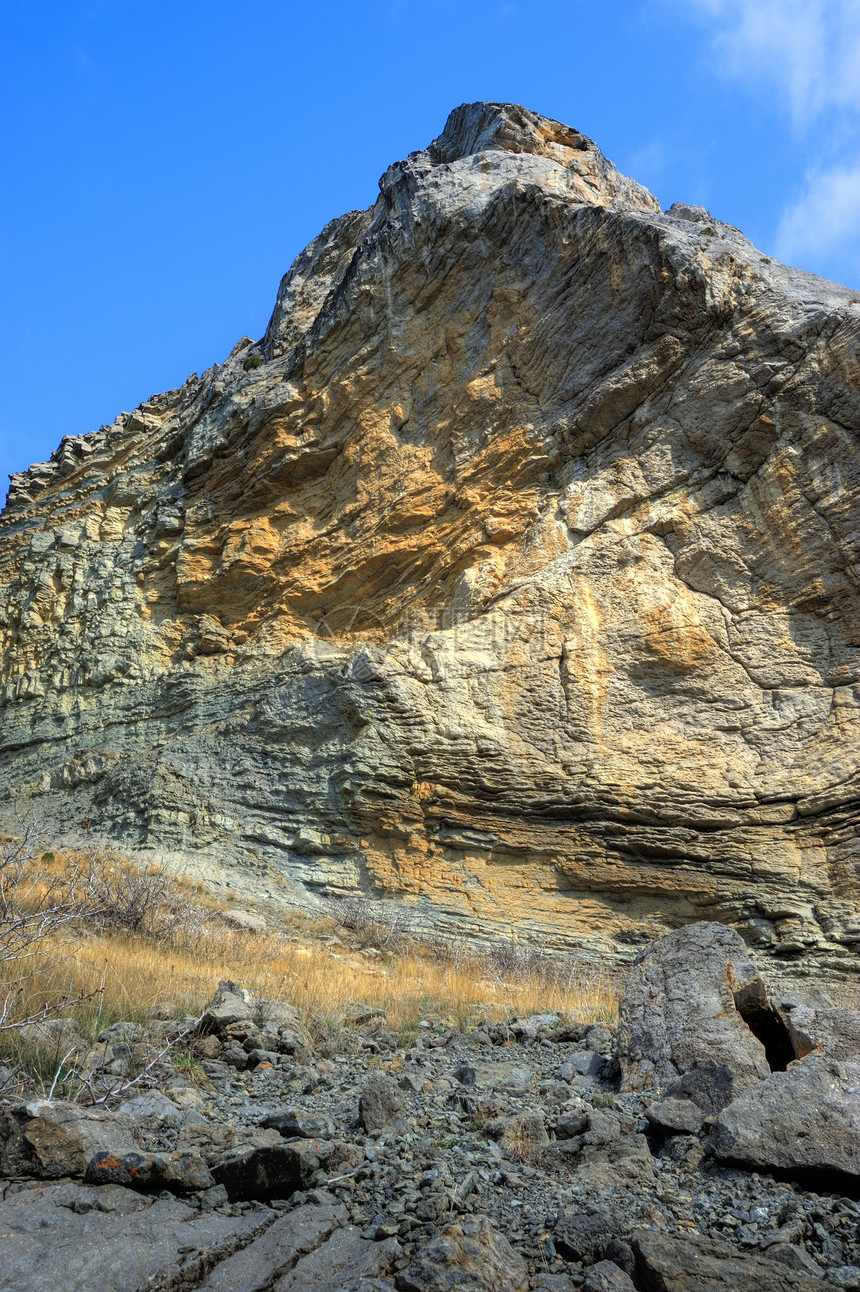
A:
{"x":512,"y":575}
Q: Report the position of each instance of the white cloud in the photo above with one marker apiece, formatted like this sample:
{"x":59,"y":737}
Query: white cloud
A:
{"x":825,"y":218}
{"x":805,"y":56}
{"x":807,"y":51}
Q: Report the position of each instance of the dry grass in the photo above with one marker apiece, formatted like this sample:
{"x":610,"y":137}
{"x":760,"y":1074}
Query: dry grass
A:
{"x":129,"y":975}
{"x":179,"y":961}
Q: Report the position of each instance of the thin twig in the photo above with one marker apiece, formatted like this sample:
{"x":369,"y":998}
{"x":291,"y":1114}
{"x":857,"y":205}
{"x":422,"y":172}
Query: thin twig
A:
{"x":115,"y":1091}
{"x":59,"y":1070}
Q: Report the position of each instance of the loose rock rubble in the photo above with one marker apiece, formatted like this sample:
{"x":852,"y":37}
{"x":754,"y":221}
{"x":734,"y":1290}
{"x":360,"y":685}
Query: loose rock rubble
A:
{"x":508,"y":1157}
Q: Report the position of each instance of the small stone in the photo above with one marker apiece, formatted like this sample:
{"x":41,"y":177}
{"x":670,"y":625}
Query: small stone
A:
{"x":295,"y":1121}
{"x":380,"y":1105}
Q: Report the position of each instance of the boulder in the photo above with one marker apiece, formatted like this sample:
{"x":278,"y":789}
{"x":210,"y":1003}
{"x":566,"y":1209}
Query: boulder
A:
{"x":216,"y":1141}
{"x":296,"y":1122}
{"x":244,"y":921}
{"x":607,"y":1277}
{"x":230,"y":1005}
{"x":804,"y":1120}
{"x":834,"y":1032}
{"x":666,"y":1263}
{"x":152,"y":1106}
{"x":472,"y":1256}
{"x":276,"y":1014}
{"x":583,"y":1235}
{"x":176,"y":1172}
{"x":273,"y":1172}
{"x":684,"y":1005}
{"x":60,"y":1034}
{"x":380,"y":1105}
{"x":52,"y":1140}
{"x":694,"y":1098}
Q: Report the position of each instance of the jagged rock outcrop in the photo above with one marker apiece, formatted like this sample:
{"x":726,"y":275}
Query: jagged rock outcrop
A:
{"x":512,"y":574}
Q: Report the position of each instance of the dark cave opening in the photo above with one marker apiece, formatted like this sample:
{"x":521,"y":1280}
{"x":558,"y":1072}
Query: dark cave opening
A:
{"x":767,"y":1026}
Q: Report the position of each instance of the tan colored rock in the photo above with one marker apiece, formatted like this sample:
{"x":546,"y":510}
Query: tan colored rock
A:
{"x":518,"y":579}
{"x":244,"y":921}
{"x":51,"y":1140}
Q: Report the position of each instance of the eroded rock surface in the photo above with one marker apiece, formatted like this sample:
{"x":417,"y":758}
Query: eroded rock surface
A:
{"x":682,"y":1010}
{"x":513,"y":572}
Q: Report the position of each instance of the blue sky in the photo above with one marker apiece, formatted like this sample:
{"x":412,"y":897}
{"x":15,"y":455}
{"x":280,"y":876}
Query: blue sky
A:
{"x":163,"y":161}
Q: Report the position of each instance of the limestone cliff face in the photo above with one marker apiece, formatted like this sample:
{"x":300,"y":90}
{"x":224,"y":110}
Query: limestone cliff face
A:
{"x":513,"y":574}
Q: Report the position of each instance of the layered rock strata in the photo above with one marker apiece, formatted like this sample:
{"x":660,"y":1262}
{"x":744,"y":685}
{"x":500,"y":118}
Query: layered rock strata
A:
{"x":513,"y":574}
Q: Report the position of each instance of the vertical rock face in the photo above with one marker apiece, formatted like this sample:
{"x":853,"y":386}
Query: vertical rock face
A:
{"x":512,"y":574}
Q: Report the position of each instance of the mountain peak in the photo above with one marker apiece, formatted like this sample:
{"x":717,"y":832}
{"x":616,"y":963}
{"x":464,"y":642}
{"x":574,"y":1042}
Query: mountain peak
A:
{"x":484,"y":127}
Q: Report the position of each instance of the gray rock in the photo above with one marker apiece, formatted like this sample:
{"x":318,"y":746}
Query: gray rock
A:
{"x":681,"y":1008}
{"x":152,"y":1107}
{"x":380,"y":1105}
{"x":60,"y":1034}
{"x":586,"y":1064}
{"x":677,"y":1116}
{"x":277,"y":1251}
{"x":835,"y":1032}
{"x":244,"y":921}
{"x":176,"y":1172}
{"x":273,"y":1172}
{"x":278,"y":1014}
{"x":296,"y":1121}
{"x":583,"y":1235}
{"x":805,"y":1119}
{"x":51,"y":1140}
{"x":230,"y":1005}
{"x":694,"y":1098}
{"x":124,"y":1033}
{"x":621,"y":1254}
{"x":468,"y":1257}
{"x":215,"y":1141}
{"x":571,"y":1122}
{"x":607,"y":1277}
{"x":341,"y":1259}
{"x":76,"y":1237}
{"x":693,"y":1264}
{"x":795,"y":1257}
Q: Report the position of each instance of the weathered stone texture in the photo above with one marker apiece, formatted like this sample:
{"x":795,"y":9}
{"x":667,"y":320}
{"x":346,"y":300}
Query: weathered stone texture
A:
{"x":517,"y":580}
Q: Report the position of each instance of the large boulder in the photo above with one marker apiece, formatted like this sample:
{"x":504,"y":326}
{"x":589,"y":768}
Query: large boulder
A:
{"x":804,"y":1120}
{"x":667,"y":1263}
{"x":685,"y":1004}
{"x":52,"y":1140}
{"x":828,"y":1030}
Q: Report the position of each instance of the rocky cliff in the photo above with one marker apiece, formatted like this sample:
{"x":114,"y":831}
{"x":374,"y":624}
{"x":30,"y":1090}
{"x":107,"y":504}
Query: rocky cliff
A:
{"x":513,"y":574}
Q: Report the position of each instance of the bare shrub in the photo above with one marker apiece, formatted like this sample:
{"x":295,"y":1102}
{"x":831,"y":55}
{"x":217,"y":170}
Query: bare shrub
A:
{"x":146,"y":903}
{"x":377,"y":924}
{"x":37,"y":901}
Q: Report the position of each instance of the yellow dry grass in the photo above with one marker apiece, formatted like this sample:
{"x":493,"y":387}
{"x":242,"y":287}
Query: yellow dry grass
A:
{"x":109,"y":974}
{"x":127,"y":976}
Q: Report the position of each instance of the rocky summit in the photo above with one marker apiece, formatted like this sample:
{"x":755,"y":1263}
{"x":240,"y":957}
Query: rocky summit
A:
{"x":511,"y":575}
